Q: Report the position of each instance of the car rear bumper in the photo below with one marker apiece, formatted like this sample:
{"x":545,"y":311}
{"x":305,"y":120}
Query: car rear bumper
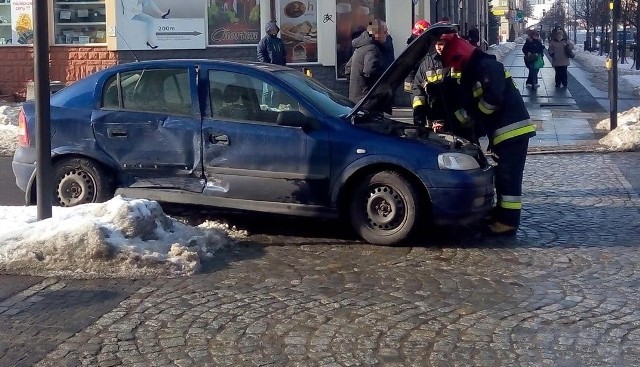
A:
{"x":459,"y":198}
{"x":24,"y":173}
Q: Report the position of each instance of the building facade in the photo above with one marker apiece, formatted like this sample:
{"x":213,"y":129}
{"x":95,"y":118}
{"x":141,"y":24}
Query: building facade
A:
{"x":86,"y":36}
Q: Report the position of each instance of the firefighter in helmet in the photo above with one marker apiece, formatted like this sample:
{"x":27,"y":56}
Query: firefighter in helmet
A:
{"x":435,"y":96}
{"x":491,"y":101}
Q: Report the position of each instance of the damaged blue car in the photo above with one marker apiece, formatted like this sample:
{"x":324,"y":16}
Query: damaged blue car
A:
{"x":256,"y":137}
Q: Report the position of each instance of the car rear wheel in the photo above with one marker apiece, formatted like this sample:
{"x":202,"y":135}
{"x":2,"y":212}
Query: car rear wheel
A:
{"x":384,"y":210}
{"x":79,"y":181}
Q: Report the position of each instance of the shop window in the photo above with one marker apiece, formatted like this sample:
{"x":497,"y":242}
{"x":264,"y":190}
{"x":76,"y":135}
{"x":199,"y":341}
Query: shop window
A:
{"x":79,"y":22}
{"x":16,"y":23}
{"x":233,"y":22}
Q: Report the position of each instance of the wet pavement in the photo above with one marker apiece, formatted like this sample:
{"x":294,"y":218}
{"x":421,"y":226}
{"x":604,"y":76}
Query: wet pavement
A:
{"x":563,"y":292}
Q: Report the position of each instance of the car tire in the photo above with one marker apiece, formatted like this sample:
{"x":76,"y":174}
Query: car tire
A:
{"x":383,"y":210}
{"x":79,"y":181}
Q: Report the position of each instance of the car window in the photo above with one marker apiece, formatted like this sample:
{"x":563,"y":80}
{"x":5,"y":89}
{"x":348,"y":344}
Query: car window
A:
{"x":150,"y":90}
{"x":241,"y":97}
{"x":328,"y":101}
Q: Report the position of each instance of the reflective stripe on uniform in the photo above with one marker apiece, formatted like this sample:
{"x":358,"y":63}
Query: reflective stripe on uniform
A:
{"x":419,"y":101}
{"x":512,"y":130}
{"x":510,"y":202}
{"x":461,"y":115}
{"x":408,"y":87}
{"x":486,"y":108}
{"x":477,"y":90}
{"x":456,"y":74}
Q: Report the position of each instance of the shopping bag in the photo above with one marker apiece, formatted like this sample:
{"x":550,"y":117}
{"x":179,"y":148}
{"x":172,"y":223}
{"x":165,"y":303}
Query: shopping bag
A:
{"x":539,"y":63}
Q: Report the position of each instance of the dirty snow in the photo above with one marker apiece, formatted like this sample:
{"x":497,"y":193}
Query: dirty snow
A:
{"x":118,"y":238}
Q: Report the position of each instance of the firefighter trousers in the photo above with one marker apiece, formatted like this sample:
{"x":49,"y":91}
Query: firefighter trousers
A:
{"x":510,"y":155}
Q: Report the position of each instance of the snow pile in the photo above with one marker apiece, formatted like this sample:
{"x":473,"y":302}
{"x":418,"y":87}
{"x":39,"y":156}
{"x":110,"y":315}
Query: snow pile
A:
{"x":118,"y":238}
{"x":628,"y":76}
{"x":626,"y":136}
{"x":8,"y":129}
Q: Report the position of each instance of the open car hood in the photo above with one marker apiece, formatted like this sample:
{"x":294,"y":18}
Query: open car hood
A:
{"x":378,"y":98}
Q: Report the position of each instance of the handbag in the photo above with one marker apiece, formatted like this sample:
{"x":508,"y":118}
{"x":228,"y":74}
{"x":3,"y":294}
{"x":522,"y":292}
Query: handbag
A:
{"x":539,"y":63}
{"x":568,"y":51}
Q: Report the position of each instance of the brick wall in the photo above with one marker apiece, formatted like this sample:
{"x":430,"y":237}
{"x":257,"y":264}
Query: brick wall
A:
{"x":69,"y":64}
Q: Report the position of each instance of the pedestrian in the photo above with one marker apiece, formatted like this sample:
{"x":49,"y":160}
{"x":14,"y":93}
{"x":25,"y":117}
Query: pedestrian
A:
{"x":418,"y":28}
{"x":367,"y":63}
{"x":473,"y":35}
{"x":387,"y":51}
{"x":494,"y":105}
{"x":435,"y":96}
{"x":560,"y":50}
{"x":271,"y":48}
{"x":533,"y":50}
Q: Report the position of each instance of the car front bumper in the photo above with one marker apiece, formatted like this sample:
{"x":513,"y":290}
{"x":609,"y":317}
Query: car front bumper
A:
{"x":461,"y":197}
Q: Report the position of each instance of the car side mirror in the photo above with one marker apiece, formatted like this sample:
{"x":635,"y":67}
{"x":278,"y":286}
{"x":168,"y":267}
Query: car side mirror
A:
{"x":293,"y":119}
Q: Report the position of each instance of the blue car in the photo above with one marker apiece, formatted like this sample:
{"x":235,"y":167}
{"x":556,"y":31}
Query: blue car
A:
{"x":256,"y":137}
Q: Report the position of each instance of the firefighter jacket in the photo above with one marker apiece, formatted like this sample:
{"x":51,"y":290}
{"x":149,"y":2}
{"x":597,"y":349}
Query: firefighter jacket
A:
{"x":492,"y":101}
{"x":438,"y":88}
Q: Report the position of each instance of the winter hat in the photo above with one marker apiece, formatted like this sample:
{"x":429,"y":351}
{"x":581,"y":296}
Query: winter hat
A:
{"x":271,"y":26}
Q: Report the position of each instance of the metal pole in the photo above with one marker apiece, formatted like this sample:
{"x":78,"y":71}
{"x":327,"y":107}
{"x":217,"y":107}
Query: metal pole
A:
{"x":575,"y":22}
{"x":613,"y":109}
{"x":44,"y":184}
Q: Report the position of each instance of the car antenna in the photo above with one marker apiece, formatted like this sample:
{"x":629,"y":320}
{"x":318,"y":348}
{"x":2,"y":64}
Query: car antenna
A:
{"x":129,"y":47}
{"x":124,"y":39}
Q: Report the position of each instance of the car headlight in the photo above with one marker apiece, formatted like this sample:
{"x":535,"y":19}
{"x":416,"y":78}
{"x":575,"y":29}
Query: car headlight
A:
{"x":457,"y":161}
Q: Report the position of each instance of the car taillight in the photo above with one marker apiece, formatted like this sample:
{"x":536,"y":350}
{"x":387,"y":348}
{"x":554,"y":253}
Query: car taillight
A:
{"x":23,"y":130}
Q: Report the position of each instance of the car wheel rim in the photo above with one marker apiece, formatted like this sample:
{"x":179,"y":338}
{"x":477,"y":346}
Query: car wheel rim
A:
{"x":76,"y":187}
{"x":385,"y":208}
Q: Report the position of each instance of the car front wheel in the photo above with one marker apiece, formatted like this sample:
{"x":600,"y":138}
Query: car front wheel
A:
{"x":79,"y":181}
{"x":383,"y":209}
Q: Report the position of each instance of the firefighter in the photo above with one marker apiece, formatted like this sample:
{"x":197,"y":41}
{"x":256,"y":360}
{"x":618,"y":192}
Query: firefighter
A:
{"x":416,"y":31}
{"x":435,"y":96}
{"x":492,"y":102}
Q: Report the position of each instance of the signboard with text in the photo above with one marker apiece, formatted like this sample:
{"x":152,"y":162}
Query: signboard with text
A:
{"x":160,"y":24}
{"x":299,"y":30}
{"x":21,"y":22}
{"x":233,"y":22}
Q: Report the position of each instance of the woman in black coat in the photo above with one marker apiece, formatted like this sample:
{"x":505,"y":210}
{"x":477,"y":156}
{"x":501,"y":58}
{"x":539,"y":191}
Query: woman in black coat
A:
{"x":533,"y":50}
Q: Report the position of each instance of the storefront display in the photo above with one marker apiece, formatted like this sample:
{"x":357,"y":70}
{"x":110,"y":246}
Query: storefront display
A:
{"x":299,"y":30}
{"x":6,"y":35}
{"x":79,"y":22}
{"x":233,"y":22}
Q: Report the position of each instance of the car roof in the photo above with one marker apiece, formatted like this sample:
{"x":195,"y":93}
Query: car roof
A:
{"x":191,"y":62}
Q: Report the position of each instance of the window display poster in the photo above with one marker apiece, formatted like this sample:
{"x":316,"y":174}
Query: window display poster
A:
{"x":234,"y":22}
{"x":160,"y":24}
{"x":21,"y":22}
{"x":352,"y":18}
{"x":299,"y":29}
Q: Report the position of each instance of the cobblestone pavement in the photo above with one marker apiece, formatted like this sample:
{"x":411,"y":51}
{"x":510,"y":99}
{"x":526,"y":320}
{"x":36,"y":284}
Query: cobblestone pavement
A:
{"x":562,"y":293}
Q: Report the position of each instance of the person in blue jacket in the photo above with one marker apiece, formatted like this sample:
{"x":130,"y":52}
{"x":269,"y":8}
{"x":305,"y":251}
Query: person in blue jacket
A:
{"x":271,"y":48}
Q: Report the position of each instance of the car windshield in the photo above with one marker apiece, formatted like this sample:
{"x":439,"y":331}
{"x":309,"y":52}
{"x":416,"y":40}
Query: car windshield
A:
{"x":330,"y":102}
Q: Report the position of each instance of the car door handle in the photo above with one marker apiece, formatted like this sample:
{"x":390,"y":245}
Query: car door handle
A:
{"x":219,"y":139}
{"x":117,"y":133}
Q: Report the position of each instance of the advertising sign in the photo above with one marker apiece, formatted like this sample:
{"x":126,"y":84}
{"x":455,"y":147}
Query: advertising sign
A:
{"x":235,"y":22}
{"x":21,"y":22}
{"x":160,"y":24}
{"x":352,"y":18}
{"x":299,"y":30}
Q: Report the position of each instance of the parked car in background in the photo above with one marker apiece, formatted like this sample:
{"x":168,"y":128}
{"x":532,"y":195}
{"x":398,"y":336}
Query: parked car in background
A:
{"x":256,"y":137}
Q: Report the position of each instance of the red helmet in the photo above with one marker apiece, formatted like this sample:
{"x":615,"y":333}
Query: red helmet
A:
{"x":456,"y":51}
{"x":420,"y":27}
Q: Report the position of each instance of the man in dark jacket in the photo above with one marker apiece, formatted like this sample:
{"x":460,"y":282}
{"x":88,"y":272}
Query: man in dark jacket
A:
{"x":271,"y":48}
{"x":367,"y":62}
{"x":492,"y":101}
